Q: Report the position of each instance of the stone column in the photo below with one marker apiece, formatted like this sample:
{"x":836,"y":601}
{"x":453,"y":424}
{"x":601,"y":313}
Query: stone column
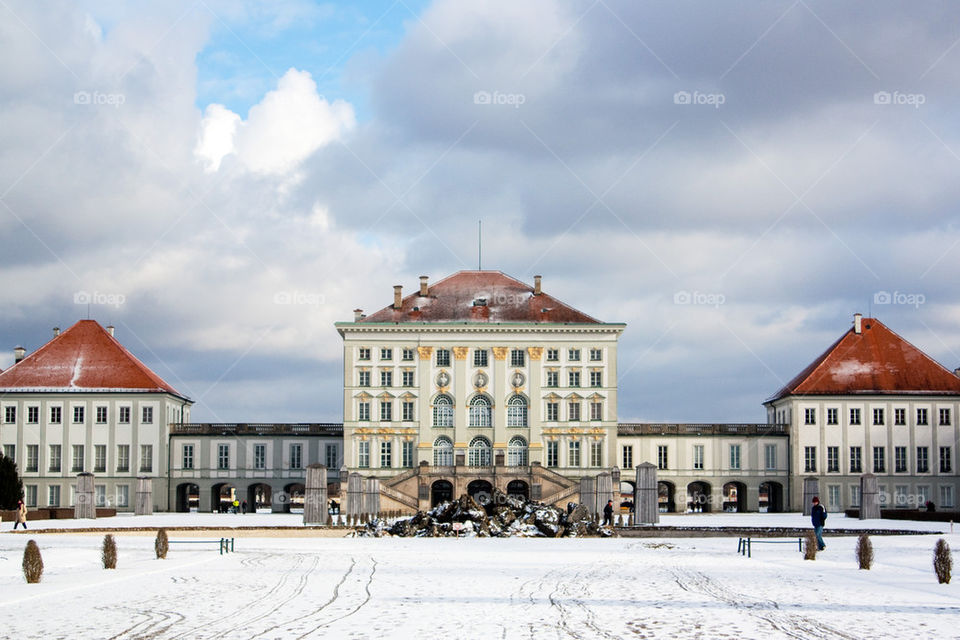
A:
{"x":646,"y":498}
{"x":605,"y":492}
{"x":354,"y":494}
{"x":811,"y":487}
{"x":588,"y":494}
{"x":315,"y":495}
{"x":84,"y":506}
{"x":371,"y":496}
{"x":144,"y":504}
{"x":869,"y":498}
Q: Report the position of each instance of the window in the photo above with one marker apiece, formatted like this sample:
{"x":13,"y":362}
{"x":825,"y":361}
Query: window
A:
{"x":945,"y":464}
{"x":33,"y":415}
{"x":147,"y":415}
{"x":735,"y":456}
{"x":101,"y":415}
{"x":596,"y":410}
{"x":56,"y":415}
{"x":406,"y":409}
{"x":123,"y":495}
{"x":663,"y":459}
{"x":100,"y":495}
{"x":78,"y":415}
{"x":407,"y":355}
{"x":553,"y":355}
{"x":856,"y":460}
{"x":10,"y":451}
{"x":921,"y":416}
{"x":833,"y":459}
{"x":627,"y":456}
{"x":443,"y":411}
{"x":443,"y":357}
{"x":363,"y":353}
{"x":332,"y":456}
{"x":553,"y":379}
{"x":900,"y":459}
{"x":878,"y":416}
{"x":479,"y":357}
{"x":386,"y":455}
{"x":596,"y":453}
{"x":596,"y":355}
{"x":406,"y":454}
{"x":481,"y":413}
{"x":810,"y":459}
{"x":10,"y":415}
{"x":553,"y":411}
{"x":260,"y":456}
{"x":596,"y":378}
{"x":386,"y":378}
{"x":363,"y":454}
{"x":296,"y":456}
{"x":770,"y":456}
{"x":386,"y":353}
{"x":517,"y":411}
{"x":944,"y":417}
{"x":833,"y":496}
{"x":53,"y":495}
{"x":923,"y":459}
{"x":573,"y":454}
{"x":518,"y":358}
{"x":386,"y":410}
{"x":854,"y":496}
{"x":146,"y":457}
{"x":123,"y":457}
{"x":854,"y":416}
{"x":809,"y":416}
{"x":363,"y":411}
{"x":698,"y":456}
{"x":407,"y":378}
{"x":31,"y":498}
{"x":223,"y":456}
{"x":946,"y":495}
{"x":573,"y":377}
{"x":879,"y":459}
{"x":33,"y":457}
{"x":900,"y":495}
{"x":54,"y":458}
{"x":442,"y":452}
{"x":899,"y":417}
{"x":573,"y":355}
{"x":553,"y":453}
{"x":832,"y":416}
{"x":77,"y":466}
{"x":479,"y":452}
{"x":187,"y":456}
{"x":517,"y":452}
{"x":124,"y":417}
{"x":364,"y":378}
{"x":573,"y":410}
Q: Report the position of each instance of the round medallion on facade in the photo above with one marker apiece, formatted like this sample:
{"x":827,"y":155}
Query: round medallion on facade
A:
{"x":443,"y":379}
{"x":480,"y":380}
{"x":517,"y":379}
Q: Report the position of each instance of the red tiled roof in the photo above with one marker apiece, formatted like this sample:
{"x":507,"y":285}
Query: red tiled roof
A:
{"x":876,"y":361}
{"x":506,"y":299}
{"x":85,"y":357}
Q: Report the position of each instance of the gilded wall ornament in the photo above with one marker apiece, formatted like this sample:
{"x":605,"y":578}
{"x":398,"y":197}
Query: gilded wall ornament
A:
{"x":499,"y":353}
{"x":460,"y":353}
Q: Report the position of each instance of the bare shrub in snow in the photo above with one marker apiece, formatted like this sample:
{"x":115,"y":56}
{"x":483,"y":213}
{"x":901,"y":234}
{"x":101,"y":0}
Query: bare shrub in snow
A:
{"x":864,"y":552}
{"x":32,"y":563}
{"x":810,"y":547}
{"x":161,"y":545}
{"x":109,"y":554}
{"x":942,"y":561}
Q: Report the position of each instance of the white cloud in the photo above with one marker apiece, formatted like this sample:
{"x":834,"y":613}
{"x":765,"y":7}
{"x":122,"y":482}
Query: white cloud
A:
{"x":217,"y":132}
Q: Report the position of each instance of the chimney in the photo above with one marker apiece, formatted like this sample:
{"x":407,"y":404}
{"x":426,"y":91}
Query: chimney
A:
{"x":956,"y":372}
{"x":423,"y":286}
{"x":18,"y":354}
{"x":857,"y":323}
{"x":397,"y":296}
{"x":110,"y":329}
{"x":56,"y":331}
{"x":536,"y":285}
{"x":357,"y":315}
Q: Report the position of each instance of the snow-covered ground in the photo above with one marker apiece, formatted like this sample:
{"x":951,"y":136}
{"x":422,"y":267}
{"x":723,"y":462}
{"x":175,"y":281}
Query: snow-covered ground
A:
{"x":476,"y":588}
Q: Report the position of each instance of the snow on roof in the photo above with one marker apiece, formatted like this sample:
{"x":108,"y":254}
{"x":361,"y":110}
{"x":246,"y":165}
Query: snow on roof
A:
{"x":875,"y":361}
{"x":83,"y":358}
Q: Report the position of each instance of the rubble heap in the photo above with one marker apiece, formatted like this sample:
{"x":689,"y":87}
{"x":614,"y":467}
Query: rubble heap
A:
{"x":501,"y":516}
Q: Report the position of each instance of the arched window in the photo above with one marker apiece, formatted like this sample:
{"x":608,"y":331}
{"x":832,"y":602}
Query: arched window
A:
{"x":481,"y":414}
{"x":443,"y":411}
{"x":442,"y":452}
{"x":517,"y":452}
{"x":517,"y":411}
{"x":479,"y":452}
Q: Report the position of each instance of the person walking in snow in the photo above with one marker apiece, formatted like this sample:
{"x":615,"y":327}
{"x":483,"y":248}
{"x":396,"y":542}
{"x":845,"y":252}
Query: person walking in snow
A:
{"x":21,"y":515}
{"x":608,"y":513}
{"x":818,"y":516}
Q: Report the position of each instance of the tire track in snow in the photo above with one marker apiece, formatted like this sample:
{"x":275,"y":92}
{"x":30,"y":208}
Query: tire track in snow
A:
{"x":363,"y":603}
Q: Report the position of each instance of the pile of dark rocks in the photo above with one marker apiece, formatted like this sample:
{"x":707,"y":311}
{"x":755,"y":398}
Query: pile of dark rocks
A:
{"x":500,"y":516}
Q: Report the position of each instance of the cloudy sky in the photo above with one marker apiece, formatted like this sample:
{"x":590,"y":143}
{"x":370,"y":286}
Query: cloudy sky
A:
{"x":733,"y":181}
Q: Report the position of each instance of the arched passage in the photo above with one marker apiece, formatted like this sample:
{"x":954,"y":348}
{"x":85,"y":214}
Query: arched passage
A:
{"x":481,"y":491}
{"x":222,"y":497}
{"x":441,"y":491}
{"x":259,"y":496}
{"x":294,"y":501}
{"x":188,"y":497}
{"x":735,"y":497}
{"x":518,"y":488}
{"x":771,"y":497}
{"x":666,"y":497}
{"x":627,"y":491}
{"x":698,"y":497}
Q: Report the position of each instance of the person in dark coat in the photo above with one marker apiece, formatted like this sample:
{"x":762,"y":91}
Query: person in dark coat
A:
{"x":608,"y":513}
{"x":818,"y":516}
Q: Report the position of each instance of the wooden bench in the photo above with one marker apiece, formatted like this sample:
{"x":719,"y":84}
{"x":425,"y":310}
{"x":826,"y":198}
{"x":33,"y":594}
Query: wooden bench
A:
{"x":745,"y":545}
{"x":226,"y":544}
